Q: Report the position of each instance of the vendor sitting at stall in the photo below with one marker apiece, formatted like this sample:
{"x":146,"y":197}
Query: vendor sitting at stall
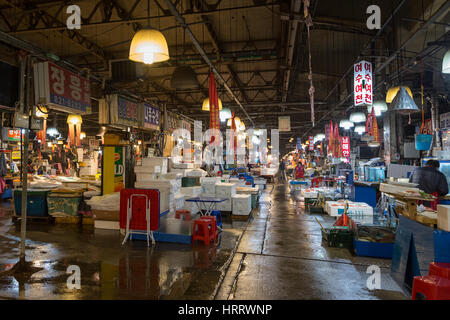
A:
{"x":430,"y":179}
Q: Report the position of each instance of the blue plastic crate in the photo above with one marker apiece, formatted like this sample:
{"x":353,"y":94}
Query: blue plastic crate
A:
{"x":441,"y":246}
{"x":373,"y":249}
{"x":36,"y":205}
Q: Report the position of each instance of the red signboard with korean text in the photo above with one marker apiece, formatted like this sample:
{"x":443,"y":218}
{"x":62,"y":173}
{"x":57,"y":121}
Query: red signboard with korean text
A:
{"x":61,"y":89}
{"x":311,"y":143}
{"x":363,"y":84}
{"x":345,"y":141}
{"x":14,"y":134}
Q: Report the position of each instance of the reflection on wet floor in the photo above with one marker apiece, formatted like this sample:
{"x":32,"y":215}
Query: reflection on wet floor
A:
{"x":277,"y":254}
{"x":108,"y":270}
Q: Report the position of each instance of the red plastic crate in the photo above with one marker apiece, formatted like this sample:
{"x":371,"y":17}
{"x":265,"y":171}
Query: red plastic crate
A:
{"x":138,"y":221}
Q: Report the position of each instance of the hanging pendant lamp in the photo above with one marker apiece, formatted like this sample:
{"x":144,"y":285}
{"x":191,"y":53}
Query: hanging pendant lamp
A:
{"x":379,"y":106}
{"x":403,"y":103}
{"x":392,"y":92}
{"x":149,"y":45}
{"x":184,"y":78}
{"x":357,"y":117}
{"x":205,"y":106}
{"x":225,"y":114}
{"x":360,"y":129}
{"x":346,"y":124}
{"x":446,"y":63}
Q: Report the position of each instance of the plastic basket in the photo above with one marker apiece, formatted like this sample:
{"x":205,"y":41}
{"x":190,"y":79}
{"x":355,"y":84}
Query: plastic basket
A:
{"x":423,"y":141}
{"x":60,"y":204}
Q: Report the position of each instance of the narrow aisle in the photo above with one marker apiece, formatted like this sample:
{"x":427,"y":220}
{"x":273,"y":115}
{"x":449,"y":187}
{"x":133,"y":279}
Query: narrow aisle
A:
{"x":281,"y":256}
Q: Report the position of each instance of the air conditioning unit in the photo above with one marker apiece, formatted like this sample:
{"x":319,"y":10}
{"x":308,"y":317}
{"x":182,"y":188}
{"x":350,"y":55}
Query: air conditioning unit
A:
{"x":126,"y":70}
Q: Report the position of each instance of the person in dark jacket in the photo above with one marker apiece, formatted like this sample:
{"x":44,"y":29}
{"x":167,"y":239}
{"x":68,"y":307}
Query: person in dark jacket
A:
{"x":430,"y":179}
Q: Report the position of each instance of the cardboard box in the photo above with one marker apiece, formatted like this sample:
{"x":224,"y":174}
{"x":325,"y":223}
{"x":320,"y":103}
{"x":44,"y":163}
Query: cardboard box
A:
{"x":443,"y":217}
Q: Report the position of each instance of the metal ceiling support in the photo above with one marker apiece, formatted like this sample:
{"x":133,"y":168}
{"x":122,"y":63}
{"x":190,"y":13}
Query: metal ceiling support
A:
{"x":292,"y":35}
{"x":179,"y":18}
{"x":442,"y":10}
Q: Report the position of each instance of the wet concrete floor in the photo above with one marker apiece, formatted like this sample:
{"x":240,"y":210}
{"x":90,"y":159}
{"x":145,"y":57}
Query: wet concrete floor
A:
{"x":277,"y":254}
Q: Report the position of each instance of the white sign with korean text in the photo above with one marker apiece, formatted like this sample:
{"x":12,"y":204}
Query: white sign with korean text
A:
{"x":363,"y":84}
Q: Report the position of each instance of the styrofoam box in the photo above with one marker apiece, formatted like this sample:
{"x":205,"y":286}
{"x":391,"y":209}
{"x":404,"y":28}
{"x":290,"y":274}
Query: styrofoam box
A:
{"x":183,"y":172}
{"x":146,"y":176}
{"x":109,"y":225}
{"x":166,"y":197}
{"x":209,"y":189}
{"x":191,"y":192}
{"x":154,"y":161}
{"x":157,"y":184}
{"x":191,"y":206}
{"x":196,"y":173}
{"x":355,"y":209}
{"x":150,"y":169}
{"x":183,"y":165}
{"x":443,"y":217}
{"x":171,"y":176}
{"x":225,"y":190}
{"x":225,"y":205}
{"x":242,"y":204}
{"x":179,"y":201}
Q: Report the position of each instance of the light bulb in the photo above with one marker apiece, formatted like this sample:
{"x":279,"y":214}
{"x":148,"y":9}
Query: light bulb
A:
{"x":149,"y":58}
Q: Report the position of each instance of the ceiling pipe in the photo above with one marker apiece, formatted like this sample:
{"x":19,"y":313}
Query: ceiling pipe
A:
{"x":202,"y":52}
{"x":292,"y":35}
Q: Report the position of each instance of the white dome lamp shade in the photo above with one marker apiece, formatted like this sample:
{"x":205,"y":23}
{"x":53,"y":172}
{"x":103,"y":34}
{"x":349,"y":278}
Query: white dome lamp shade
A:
{"x":380,"y":107}
{"x":360,"y":129}
{"x":446,"y":63}
{"x":225,"y":114}
{"x":346,"y":124}
{"x":319,"y":137}
{"x":357,"y":117}
{"x":149,"y":46}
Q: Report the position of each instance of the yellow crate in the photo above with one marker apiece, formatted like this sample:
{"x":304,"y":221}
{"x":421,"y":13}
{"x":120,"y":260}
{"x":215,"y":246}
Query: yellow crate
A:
{"x":87,"y":221}
{"x":67,"y":220}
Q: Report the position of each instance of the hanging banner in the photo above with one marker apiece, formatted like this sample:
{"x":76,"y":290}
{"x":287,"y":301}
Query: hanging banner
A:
{"x":122,"y":111}
{"x":345,"y":141}
{"x":311,"y":143}
{"x":428,"y":127}
{"x":445,"y":121}
{"x":284,"y":124}
{"x":152,"y":116}
{"x":61,"y":89}
{"x":363,"y":84}
{"x":14,"y":135}
{"x":113,"y":173}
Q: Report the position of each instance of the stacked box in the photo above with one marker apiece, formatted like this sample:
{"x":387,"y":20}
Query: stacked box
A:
{"x":242,"y":204}
{"x":209,"y":186}
{"x":179,"y":201}
{"x":225,"y":190}
{"x":196,"y":173}
{"x":166,"y":189}
{"x":191,"y":192}
{"x":443,"y":217}
{"x":225,"y":205}
{"x":191,"y":206}
{"x":183,"y":165}
{"x":183,"y":172}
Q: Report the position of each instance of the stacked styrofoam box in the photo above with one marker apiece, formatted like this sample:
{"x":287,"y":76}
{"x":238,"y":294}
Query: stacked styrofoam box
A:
{"x":359,"y":211}
{"x":191,"y":192}
{"x":166,"y":189}
{"x":179,"y":201}
{"x":183,"y":165}
{"x":152,"y":165}
{"x":196,"y":173}
{"x":183,"y":172}
{"x":227,"y":191}
{"x":175,"y":178}
{"x":260,"y":183}
{"x":209,"y":186}
{"x":242,"y":204}
{"x":443,"y":217}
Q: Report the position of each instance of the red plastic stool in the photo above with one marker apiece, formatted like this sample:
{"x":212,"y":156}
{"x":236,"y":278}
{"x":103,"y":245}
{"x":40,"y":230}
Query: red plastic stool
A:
{"x":432,"y":287}
{"x":185,"y":213}
{"x":440,"y":269}
{"x":203,"y":231}
{"x":213,"y":221}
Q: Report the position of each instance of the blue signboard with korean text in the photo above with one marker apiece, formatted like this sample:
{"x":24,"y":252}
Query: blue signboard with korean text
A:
{"x":152,"y":117}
